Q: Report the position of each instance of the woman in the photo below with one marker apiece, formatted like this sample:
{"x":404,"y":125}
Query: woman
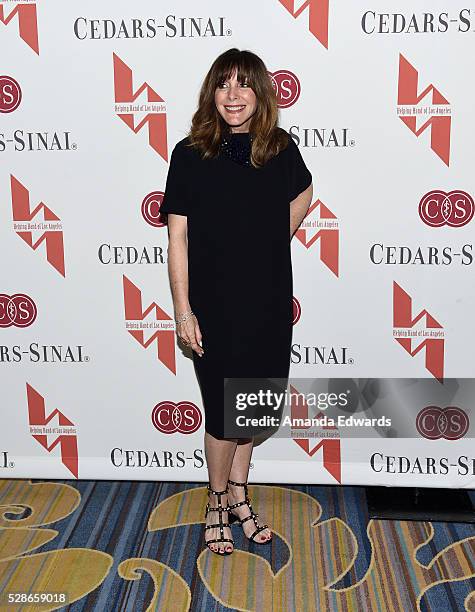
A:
{"x":237,"y":189}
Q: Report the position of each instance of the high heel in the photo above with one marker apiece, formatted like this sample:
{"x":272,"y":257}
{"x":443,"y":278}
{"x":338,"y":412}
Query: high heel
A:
{"x":252,"y":516}
{"x":220,"y":509}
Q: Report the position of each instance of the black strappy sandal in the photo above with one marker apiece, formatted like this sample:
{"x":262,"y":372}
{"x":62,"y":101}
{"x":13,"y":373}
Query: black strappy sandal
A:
{"x":252,"y":516}
{"x":220,"y":509}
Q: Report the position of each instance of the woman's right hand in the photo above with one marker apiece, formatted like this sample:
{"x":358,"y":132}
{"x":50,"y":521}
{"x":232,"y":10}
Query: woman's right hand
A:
{"x":189,"y":333}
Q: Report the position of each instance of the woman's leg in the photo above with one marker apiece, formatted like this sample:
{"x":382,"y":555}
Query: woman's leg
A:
{"x":239,"y":473}
{"x":219,"y":458}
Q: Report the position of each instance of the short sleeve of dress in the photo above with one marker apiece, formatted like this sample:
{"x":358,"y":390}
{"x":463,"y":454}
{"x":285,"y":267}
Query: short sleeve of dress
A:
{"x":299,"y":176}
{"x":177,"y":198}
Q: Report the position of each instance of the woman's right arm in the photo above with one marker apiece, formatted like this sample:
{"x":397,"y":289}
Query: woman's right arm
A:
{"x":188,"y":330}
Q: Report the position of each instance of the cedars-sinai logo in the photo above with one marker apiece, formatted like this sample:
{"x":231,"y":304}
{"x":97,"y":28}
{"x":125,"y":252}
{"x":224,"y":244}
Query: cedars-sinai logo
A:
{"x":450,"y":423}
{"x":38,"y":225}
{"x":424,"y":110}
{"x":139,"y":108}
{"x":150,"y":325}
{"x":320,"y":223}
{"x":429,"y":335}
{"x":286,"y":86}
{"x":296,"y":310}
{"x":17,"y":310}
{"x":27,"y":19}
{"x":182,"y":417}
{"x":151,"y":209}
{"x":10,"y":94}
{"x":317,"y":16}
{"x":454,"y":208}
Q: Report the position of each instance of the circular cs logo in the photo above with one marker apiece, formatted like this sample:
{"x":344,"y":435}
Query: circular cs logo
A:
{"x":169,"y":417}
{"x":454,"y":208}
{"x":18,"y":310}
{"x":296,"y":310}
{"x":151,"y":208}
{"x":450,"y":423}
{"x":10,"y":94}
{"x":286,"y":86}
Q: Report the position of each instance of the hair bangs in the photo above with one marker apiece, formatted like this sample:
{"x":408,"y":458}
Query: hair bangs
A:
{"x":238,"y":65}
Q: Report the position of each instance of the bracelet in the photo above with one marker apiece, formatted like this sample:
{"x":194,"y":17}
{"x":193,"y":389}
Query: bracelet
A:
{"x":184,"y":316}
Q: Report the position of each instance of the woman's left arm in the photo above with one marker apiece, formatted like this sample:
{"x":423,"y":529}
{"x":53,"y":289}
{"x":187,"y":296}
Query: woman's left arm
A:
{"x":299,"y":207}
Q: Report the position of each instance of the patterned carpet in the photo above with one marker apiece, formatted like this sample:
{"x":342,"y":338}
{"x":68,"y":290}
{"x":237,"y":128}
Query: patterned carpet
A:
{"x":139,"y":546}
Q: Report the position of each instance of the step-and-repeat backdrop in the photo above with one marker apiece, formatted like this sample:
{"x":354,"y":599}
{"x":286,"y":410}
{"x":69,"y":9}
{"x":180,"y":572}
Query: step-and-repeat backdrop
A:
{"x":93,"y":96}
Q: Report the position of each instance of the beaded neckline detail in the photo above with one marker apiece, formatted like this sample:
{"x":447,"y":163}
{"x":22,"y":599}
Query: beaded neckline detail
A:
{"x":237,"y":147}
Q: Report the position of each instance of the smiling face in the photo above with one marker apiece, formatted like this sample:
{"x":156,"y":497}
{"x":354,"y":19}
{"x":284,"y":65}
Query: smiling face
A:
{"x":236,"y":103}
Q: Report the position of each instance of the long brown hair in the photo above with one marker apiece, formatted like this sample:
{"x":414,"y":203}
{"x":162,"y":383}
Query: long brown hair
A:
{"x":207,"y":125}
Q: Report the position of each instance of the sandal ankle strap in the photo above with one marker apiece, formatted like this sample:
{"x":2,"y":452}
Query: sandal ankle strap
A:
{"x":237,"y":484}
{"x":217,"y":492}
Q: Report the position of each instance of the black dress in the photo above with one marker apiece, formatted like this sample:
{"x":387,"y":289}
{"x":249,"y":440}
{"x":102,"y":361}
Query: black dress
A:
{"x":239,"y":261}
